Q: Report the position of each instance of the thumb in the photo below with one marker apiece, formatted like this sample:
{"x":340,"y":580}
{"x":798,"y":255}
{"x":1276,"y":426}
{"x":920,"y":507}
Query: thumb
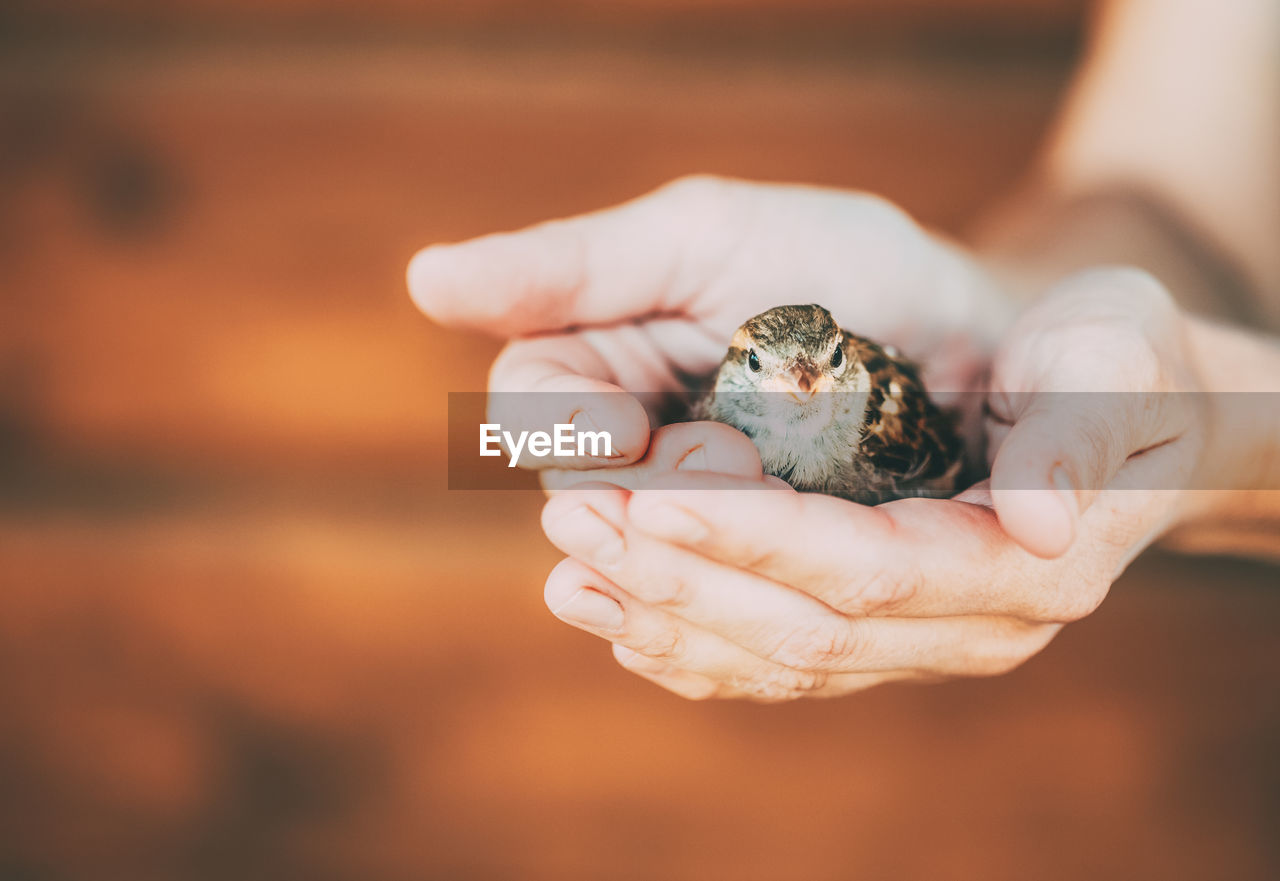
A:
{"x":643,"y":257}
{"x":1061,"y":450}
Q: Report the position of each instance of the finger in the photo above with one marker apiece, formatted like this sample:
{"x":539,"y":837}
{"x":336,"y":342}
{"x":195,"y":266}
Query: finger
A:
{"x":643,"y":357}
{"x":696,"y":687}
{"x":745,"y":608}
{"x":774,"y":623}
{"x":580,"y":596}
{"x":682,"y":447}
{"x":1060,"y":451}
{"x":540,"y":382}
{"x":1082,"y":389}
{"x":691,"y":686}
{"x":647,"y":256}
{"x":608,"y":425}
{"x":911,"y":558}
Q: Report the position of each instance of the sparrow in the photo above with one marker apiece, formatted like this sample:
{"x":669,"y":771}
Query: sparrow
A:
{"x":832,"y":412}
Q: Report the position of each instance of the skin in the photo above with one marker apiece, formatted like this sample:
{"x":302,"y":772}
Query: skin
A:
{"x":730,"y":584}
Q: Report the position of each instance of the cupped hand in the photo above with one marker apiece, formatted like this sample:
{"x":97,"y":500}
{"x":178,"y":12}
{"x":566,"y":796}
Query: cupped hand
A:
{"x":609,"y":311}
{"x":720,"y":585}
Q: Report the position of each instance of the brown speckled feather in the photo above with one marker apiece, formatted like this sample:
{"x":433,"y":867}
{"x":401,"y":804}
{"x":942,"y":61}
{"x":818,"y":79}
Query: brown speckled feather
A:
{"x":906,"y":434}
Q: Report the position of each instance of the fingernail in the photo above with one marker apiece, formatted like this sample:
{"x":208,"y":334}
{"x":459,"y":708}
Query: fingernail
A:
{"x":670,"y":522}
{"x":694,"y":460}
{"x":586,"y":532}
{"x":1067,"y":489}
{"x":581,"y":421}
{"x":588,"y":607}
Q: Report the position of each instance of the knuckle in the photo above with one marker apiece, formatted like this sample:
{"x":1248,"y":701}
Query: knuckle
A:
{"x":765,"y":693}
{"x":883,"y":590}
{"x":695,"y":187}
{"x":1140,"y":287}
{"x":1142,"y":362}
{"x":1119,"y":317}
{"x":875,"y":213}
{"x":825,"y":645}
{"x":1074,"y":604}
{"x":1077,"y":594}
{"x":892,"y":219}
{"x":665,"y":645}
{"x":670,"y":592}
{"x":803,"y":681}
{"x":1136,"y":286}
{"x":698,"y":691}
{"x":1120,"y":356}
{"x":782,"y":684}
{"x":1067,"y":592}
{"x":1100,"y":341}
{"x":1016,"y":358}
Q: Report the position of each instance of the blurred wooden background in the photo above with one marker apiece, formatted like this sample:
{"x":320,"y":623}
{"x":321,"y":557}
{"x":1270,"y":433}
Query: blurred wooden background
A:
{"x":245,"y":632}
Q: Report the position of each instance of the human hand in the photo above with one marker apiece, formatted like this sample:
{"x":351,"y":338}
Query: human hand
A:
{"x":716,"y":585}
{"x":610,"y":311}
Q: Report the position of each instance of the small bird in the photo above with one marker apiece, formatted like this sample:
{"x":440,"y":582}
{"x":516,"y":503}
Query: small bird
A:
{"x":832,"y":412}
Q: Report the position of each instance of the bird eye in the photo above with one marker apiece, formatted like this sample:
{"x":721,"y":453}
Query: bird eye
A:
{"x":837,"y":357}
{"x":753,"y":361}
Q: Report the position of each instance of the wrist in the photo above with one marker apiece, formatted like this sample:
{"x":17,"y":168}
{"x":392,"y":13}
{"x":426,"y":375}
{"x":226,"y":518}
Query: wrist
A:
{"x":1235,"y":504}
{"x":1239,"y":373}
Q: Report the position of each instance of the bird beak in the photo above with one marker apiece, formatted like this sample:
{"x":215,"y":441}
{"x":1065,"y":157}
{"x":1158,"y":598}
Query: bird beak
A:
{"x":801,"y":384}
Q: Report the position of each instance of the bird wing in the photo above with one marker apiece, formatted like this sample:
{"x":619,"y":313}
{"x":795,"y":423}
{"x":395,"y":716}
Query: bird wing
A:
{"x":906,"y":433}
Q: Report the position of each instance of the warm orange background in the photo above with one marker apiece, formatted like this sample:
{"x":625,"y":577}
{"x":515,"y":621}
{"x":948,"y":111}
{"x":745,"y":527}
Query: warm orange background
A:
{"x":245,"y":632}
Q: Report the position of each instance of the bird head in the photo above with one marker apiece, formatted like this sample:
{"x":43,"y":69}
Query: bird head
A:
{"x":797,"y":351}
{"x":793,"y":353}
